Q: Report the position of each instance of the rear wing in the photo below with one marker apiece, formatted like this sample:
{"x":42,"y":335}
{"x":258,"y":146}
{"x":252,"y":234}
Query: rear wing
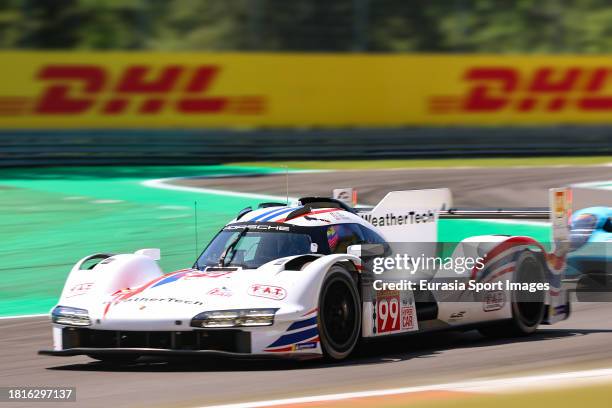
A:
{"x":439,"y":201}
{"x":524,"y":213}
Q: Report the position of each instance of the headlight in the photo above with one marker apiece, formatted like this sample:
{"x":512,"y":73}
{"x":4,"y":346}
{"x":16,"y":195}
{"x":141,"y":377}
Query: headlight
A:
{"x":234,"y":318}
{"x":70,"y":316}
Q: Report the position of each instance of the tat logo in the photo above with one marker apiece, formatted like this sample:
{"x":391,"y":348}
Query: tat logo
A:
{"x":138,"y":89}
{"x":545,"y":89}
{"x":79,"y":289}
{"x":267,"y":291}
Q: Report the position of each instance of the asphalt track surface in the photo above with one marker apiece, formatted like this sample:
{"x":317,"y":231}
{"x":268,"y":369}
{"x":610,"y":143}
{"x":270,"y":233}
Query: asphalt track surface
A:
{"x":583,"y":341}
{"x":518,"y":187}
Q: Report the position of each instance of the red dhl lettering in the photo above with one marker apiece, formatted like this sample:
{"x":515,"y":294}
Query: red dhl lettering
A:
{"x":494,"y":89}
{"x":141,"y":89}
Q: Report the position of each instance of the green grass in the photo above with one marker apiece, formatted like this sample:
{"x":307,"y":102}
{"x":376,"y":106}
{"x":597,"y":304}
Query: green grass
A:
{"x":429,"y":163}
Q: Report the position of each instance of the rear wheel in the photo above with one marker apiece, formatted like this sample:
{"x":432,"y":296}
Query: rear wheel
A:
{"x":527,"y":307}
{"x":339,"y":314}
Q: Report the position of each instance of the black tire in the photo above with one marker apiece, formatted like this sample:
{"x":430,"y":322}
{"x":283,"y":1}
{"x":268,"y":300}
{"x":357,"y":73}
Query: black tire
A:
{"x":527,"y":308}
{"x":339,"y":318}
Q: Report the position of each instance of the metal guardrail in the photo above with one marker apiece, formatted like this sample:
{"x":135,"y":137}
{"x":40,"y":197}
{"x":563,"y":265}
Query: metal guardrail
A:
{"x":89,"y":147}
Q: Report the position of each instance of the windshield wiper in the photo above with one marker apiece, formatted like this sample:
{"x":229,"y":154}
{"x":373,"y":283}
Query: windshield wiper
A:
{"x":231,"y":246}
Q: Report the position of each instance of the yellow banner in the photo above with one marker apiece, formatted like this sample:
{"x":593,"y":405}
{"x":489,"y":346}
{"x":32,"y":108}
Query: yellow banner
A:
{"x":197,"y":90}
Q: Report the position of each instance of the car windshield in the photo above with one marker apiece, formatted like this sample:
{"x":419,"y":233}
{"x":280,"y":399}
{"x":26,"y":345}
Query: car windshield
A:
{"x":236,"y":247}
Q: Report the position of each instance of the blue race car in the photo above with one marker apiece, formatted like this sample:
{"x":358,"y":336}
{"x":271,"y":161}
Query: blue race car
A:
{"x":590,"y":259}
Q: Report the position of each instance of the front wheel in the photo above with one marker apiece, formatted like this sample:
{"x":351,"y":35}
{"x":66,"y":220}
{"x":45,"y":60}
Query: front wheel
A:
{"x":528,"y":308}
{"x":339,"y":314}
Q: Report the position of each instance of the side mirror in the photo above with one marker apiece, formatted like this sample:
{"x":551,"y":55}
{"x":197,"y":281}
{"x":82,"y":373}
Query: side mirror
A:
{"x":153,"y":253}
{"x":367,"y":250}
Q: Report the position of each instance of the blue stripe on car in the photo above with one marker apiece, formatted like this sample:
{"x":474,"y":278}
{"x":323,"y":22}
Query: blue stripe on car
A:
{"x":302,"y":323}
{"x":266,"y":213}
{"x":295,"y":337}
{"x":278,"y":213}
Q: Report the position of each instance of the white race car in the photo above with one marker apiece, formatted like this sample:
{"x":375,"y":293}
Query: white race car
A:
{"x":298,"y":281}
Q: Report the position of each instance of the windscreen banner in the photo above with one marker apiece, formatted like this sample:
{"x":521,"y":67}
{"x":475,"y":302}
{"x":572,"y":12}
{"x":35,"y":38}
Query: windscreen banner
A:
{"x":106,"y":90}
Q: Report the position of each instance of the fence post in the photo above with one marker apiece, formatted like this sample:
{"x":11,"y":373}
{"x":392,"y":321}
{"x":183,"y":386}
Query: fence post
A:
{"x":361,"y":11}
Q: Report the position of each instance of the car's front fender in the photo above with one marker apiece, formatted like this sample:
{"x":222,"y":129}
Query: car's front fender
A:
{"x":310,"y":279}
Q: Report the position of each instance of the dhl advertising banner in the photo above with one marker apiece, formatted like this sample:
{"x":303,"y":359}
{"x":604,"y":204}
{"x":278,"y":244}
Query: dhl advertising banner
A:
{"x":57,"y":90}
